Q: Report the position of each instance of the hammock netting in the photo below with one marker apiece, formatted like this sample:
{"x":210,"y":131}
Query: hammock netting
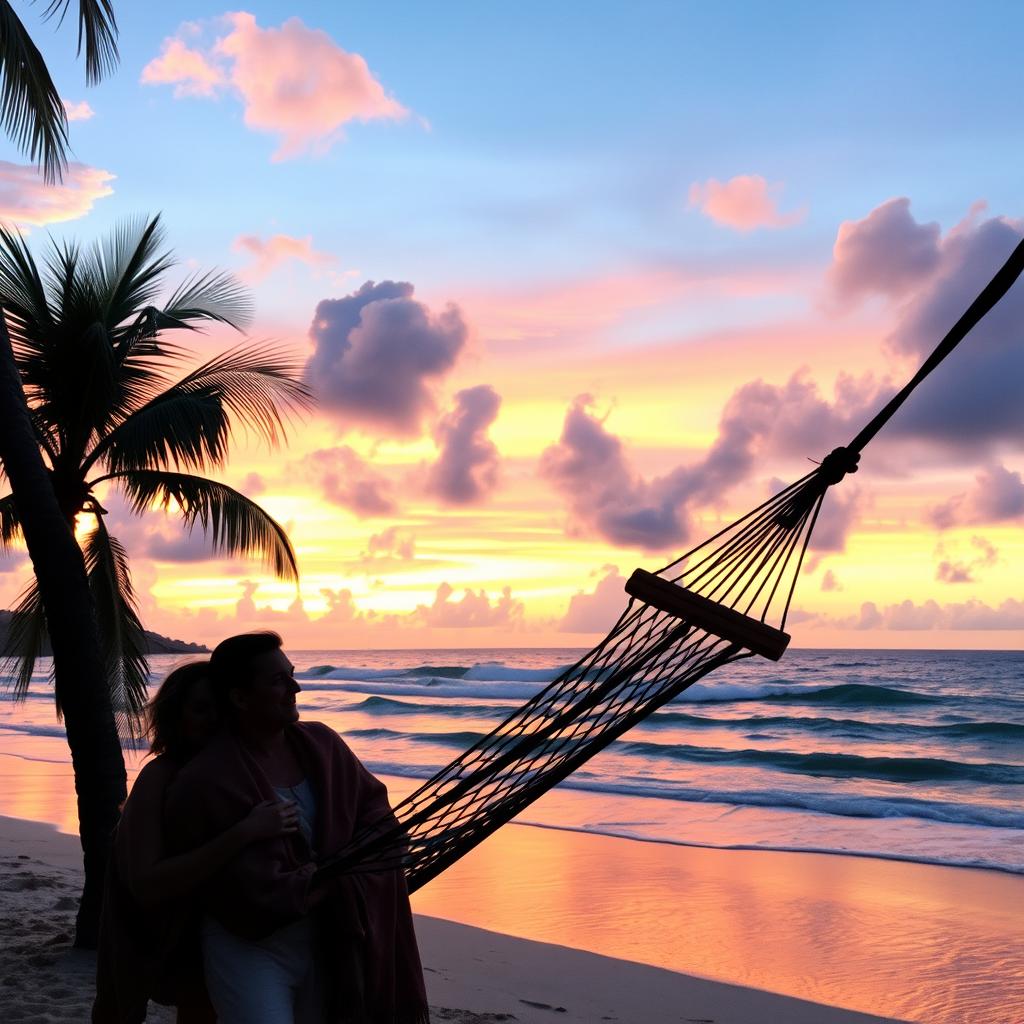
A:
{"x":724,"y":601}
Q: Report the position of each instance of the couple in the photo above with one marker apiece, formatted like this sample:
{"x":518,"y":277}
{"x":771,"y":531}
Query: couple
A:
{"x":211,"y":903}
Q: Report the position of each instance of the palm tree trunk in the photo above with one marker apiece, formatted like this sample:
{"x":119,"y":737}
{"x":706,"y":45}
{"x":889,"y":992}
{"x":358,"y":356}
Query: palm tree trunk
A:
{"x":77,"y":655}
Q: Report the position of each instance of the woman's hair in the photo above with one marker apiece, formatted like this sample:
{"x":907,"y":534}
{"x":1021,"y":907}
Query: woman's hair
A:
{"x":166,"y":709}
{"x":232,"y":658}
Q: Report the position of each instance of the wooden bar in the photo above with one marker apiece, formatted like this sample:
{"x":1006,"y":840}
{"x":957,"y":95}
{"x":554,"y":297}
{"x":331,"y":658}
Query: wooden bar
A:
{"x":727,"y":623}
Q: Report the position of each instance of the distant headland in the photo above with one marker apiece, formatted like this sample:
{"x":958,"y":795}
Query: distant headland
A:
{"x":155,"y":643}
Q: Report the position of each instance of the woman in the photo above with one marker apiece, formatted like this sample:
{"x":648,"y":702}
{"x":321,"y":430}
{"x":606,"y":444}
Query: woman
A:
{"x":276,"y":949}
{"x":147,"y":889}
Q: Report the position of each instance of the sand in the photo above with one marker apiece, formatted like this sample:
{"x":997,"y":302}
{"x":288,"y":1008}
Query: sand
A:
{"x":474,"y":976}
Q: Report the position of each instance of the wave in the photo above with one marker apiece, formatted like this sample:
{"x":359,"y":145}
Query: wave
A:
{"x":782,"y":691}
{"x":835,"y":765}
{"x":843,"y":726}
{"x":487,"y":671}
{"x":817,"y":764}
{"x":858,"y":693}
{"x":431,"y":687}
{"x":497,"y":671}
{"x":387,"y":706}
{"x":837,"y":804}
{"x":459,"y":740}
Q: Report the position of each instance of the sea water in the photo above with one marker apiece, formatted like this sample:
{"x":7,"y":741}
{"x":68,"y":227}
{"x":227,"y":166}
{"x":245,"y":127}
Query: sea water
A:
{"x":912,"y":755}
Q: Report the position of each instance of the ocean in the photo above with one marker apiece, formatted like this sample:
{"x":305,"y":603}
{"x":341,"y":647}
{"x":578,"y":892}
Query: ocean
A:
{"x":909,"y":755}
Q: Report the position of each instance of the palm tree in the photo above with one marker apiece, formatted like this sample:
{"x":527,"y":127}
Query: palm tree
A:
{"x":91,"y":347}
{"x":32,"y":112}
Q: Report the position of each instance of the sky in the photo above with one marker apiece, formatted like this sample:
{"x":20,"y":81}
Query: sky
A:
{"x":575,"y":285}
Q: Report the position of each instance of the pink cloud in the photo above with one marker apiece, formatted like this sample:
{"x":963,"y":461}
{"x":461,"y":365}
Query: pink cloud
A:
{"x":996,"y":497}
{"x":473,"y":610}
{"x":346,"y":479}
{"x":278,"y":249}
{"x":466,"y":469}
{"x":745,"y":202}
{"x":80,"y":111}
{"x":596,"y":611}
{"x":295,"y":82}
{"x":25,"y":199}
{"x":887,"y":251}
{"x":189,"y":71}
{"x":906,"y":615}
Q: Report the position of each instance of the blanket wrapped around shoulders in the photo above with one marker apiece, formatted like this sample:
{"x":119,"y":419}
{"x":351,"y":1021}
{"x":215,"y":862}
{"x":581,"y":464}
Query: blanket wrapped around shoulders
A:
{"x":365,"y":923}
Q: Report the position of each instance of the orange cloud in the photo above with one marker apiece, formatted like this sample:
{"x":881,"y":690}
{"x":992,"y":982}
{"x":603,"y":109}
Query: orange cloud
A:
{"x":295,"y":82}
{"x":26,"y":200}
{"x":270,"y":254}
{"x":745,"y":202}
{"x":80,"y":111}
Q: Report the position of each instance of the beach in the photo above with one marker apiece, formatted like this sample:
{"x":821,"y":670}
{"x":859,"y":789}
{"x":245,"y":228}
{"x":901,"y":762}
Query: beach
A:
{"x":474,"y":975}
{"x":843,"y":830}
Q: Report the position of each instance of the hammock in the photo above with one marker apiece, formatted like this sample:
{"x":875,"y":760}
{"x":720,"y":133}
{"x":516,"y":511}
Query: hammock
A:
{"x":713,"y":606}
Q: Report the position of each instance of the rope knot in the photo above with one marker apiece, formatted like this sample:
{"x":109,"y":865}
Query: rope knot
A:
{"x":837,"y":464}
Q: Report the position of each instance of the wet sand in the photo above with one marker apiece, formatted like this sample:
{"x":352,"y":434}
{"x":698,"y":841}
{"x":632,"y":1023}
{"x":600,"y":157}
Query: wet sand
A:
{"x":474,"y":976}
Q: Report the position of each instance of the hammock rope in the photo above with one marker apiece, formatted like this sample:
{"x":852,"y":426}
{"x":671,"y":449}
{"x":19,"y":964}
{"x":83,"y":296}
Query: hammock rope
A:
{"x":713,"y":606}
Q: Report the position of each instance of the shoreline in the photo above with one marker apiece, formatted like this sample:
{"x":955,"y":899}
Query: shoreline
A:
{"x":753,"y":848}
{"x":474,"y":975}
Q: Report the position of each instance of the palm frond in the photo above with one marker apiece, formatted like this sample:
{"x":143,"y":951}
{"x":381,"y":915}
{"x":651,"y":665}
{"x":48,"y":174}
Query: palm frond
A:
{"x":30,"y":106}
{"x":191,"y":424}
{"x":25,"y":641}
{"x":235,"y":524}
{"x":124,"y":640}
{"x":177,"y":429}
{"x":213,"y":295}
{"x":97,"y":29}
{"x":125,"y":268}
{"x":10,"y":523}
{"x":22,"y":292}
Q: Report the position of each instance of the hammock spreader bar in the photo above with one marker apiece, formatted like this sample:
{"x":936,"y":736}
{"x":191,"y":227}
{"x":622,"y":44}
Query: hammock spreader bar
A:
{"x":706,"y":609}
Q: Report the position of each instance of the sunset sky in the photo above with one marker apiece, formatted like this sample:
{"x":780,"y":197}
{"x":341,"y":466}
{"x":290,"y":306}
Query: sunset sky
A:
{"x":576,"y":284}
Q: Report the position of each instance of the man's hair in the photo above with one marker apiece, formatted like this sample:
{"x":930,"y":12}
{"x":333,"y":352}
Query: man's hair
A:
{"x":231,"y":661}
{"x":165,"y":711}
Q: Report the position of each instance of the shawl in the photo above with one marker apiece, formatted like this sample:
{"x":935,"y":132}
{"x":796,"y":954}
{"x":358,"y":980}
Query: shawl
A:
{"x":140,"y":951}
{"x":364,"y":923}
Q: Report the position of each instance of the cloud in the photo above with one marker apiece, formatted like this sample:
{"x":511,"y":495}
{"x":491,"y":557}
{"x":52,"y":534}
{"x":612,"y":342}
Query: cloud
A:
{"x":972,"y":400}
{"x":346,"y":479}
{"x":597,"y":611}
{"x":838,"y":513}
{"x":589,"y":468}
{"x":392,"y":543}
{"x":829,"y":582}
{"x":997,"y":496}
{"x":26,"y":200}
{"x":886,"y":252}
{"x":953,"y":572}
{"x":189,"y":71}
{"x":606,"y":497}
{"x":294,"y":82}
{"x":467,"y":468}
{"x":268,"y":255}
{"x":472,"y":610}
{"x":906,"y":615}
{"x":377,"y":355}
{"x":246,"y":610}
{"x":745,"y":202}
{"x":961,"y":571}
{"x":80,"y":111}
{"x":252,"y":485}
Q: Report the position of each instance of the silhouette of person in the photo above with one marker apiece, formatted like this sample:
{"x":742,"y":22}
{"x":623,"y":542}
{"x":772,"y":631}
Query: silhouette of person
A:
{"x":277,"y":948}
